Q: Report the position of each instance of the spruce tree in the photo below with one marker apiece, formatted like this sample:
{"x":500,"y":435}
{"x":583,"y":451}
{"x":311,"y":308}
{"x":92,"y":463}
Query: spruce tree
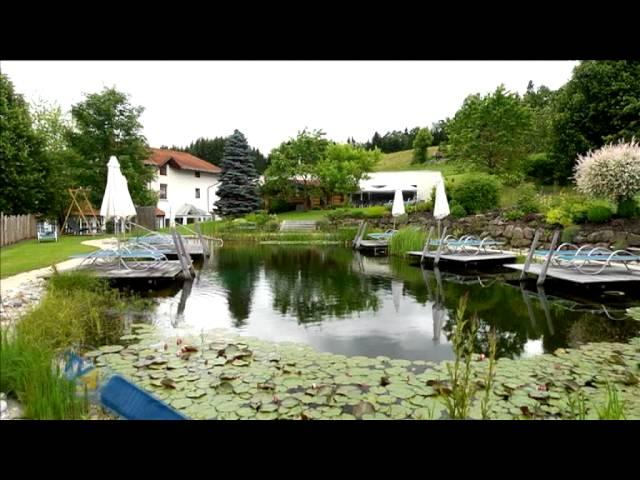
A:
{"x":238,"y":190}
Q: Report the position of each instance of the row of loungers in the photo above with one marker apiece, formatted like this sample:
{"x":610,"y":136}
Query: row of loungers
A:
{"x":588,"y":259}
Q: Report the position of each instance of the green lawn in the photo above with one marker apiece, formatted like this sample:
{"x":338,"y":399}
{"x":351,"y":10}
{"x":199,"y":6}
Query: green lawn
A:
{"x":29,"y":254}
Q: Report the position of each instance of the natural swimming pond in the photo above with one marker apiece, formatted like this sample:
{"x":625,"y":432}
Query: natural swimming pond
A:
{"x":338,"y":301}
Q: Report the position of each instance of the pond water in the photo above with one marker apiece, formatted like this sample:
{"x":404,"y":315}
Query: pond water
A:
{"x":341,"y":302}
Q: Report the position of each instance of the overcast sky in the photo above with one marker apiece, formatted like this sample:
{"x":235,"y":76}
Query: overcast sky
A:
{"x":270,"y":101}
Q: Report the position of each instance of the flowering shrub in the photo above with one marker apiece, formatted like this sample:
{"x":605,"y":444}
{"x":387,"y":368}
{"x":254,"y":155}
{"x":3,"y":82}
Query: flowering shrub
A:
{"x":612,"y":171}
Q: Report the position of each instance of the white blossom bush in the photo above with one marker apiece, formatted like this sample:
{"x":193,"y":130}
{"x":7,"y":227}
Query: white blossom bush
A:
{"x":612,"y":171}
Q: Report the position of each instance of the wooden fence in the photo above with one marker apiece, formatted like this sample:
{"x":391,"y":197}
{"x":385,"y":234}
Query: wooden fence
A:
{"x":146,"y":216}
{"x":14,"y":228}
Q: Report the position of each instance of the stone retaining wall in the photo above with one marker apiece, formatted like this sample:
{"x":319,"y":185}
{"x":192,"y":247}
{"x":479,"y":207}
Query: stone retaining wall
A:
{"x":519,"y":233}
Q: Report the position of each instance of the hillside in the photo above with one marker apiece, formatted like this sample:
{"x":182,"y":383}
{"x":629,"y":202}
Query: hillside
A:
{"x":402,"y":161}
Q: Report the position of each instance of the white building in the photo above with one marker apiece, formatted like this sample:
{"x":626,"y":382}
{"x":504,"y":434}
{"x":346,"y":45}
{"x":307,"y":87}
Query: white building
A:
{"x":186,"y":186}
{"x":380,"y":187}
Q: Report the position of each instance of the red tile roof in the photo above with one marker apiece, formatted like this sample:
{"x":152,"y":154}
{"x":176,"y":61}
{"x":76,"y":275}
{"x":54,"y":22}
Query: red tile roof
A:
{"x":159,"y":213}
{"x":181,"y":160}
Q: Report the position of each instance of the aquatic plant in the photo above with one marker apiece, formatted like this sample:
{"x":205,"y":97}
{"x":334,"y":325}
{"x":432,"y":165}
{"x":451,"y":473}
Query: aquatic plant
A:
{"x":31,"y":374}
{"x":406,"y":240}
{"x":613,"y":409}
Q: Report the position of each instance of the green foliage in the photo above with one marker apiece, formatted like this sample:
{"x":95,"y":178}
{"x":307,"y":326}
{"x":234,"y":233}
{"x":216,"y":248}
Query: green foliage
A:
{"x":407,"y":240}
{"x":106,"y":124}
{"x":477,"y":193}
{"x":394,"y":141}
{"x":23,"y":175}
{"x":490,"y":132}
{"x":569,"y":233}
{"x":541,"y":167}
{"x":514,"y":214}
{"x":377,"y":211}
{"x":212,"y":150}
{"x":272,"y":226}
{"x":420,"y":207}
{"x":613,"y":409}
{"x":324,"y":225}
{"x":29,"y":373}
{"x":458,"y":401}
{"x":600,"y":104}
{"x":628,"y":208}
{"x":279,"y":205}
{"x":567,"y":209}
{"x":458,"y":211}
{"x":342,"y":168}
{"x":541,"y":103}
{"x":73,"y":313}
{"x":526,"y":199}
{"x":422,"y":141}
{"x":599,"y":212}
{"x":238,"y":190}
{"x":259,"y":218}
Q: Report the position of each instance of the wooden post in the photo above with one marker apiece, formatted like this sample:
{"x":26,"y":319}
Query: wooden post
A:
{"x":439,"y":251}
{"x":545,"y":267}
{"x":205,"y":247}
{"x":527,"y":263}
{"x":359,"y":237}
{"x":183,"y":263}
{"x":356,"y":239}
{"x":425,"y":249}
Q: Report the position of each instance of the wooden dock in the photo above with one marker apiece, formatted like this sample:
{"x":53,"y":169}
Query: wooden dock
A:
{"x":610,"y":275}
{"x":494,"y":258}
{"x":193,"y":249}
{"x":161,"y":270}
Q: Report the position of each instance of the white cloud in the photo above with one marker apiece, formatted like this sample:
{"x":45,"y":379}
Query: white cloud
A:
{"x":270,"y":101}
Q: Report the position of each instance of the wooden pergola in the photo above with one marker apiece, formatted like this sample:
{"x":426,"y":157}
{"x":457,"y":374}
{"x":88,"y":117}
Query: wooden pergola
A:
{"x":78,"y":199}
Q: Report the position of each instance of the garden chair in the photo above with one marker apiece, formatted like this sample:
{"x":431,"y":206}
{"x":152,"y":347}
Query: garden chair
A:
{"x":47,"y":232}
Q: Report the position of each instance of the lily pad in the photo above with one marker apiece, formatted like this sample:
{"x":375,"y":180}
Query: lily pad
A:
{"x":111,"y":348}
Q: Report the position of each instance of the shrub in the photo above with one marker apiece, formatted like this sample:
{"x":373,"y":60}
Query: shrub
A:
{"x":259,"y":218}
{"x":612,"y":171}
{"x":567,"y":209}
{"x":540,"y":167}
{"x":373,"y":212}
{"x":458,"y":211}
{"x":558,"y":216}
{"x":628,"y":208}
{"x":569,"y":234}
{"x":477,"y":194}
{"x":526,"y":199}
{"x":323,"y":225}
{"x":279,"y":206}
{"x":271,"y":226}
{"x":599,"y":212}
{"x":514,"y":214}
{"x":511,"y":178}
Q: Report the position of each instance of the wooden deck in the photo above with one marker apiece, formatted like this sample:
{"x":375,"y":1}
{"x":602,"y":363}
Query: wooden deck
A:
{"x":492,"y":257}
{"x":193,"y":249}
{"x":610,"y":275}
{"x":167,"y":270}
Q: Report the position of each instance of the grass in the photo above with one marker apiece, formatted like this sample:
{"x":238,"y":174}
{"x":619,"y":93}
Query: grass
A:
{"x":398,"y":161}
{"x":29,"y":373}
{"x":406,"y":240}
{"x":79,"y":312}
{"x":29,"y":254}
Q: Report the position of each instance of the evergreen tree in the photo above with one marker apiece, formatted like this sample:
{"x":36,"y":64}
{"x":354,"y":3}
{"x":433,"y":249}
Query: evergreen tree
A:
{"x":238,"y":189}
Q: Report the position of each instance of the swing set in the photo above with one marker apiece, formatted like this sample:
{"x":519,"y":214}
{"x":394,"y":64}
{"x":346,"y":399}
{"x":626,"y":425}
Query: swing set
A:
{"x":76,"y":221}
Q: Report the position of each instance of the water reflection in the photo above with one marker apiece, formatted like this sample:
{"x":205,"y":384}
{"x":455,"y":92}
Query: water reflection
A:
{"x":346,"y":303}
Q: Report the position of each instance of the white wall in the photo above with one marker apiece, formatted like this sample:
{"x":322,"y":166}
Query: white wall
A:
{"x":424,"y":179}
{"x":181,"y":189}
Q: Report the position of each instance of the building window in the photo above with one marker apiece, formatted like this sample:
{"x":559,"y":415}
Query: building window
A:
{"x":163,"y":169}
{"x":197,"y":193}
{"x":163,"y":191}
{"x":198,"y":175}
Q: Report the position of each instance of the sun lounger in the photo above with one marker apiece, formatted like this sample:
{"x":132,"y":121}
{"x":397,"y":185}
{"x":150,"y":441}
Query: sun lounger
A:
{"x":130,"y":402}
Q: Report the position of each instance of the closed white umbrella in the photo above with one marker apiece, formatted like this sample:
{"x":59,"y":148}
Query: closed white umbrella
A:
{"x":116,"y":202}
{"x":398,"y":206}
{"x":396,"y":292}
{"x":441,"y":206}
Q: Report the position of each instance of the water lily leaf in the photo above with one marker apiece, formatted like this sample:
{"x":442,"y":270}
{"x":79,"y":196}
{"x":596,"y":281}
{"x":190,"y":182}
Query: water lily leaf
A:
{"x":93,"y":354}
{"x":225,"y":387}
{"x":111,"y":348}
{"x":192,"y":377}
{"x":266,"y":415}
{"x":363,"y":408}
{"x":182,"y":403}
{"x":196,"y":394}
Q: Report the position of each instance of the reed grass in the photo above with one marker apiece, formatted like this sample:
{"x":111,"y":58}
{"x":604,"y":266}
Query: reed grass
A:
{"x":406,"y":240}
